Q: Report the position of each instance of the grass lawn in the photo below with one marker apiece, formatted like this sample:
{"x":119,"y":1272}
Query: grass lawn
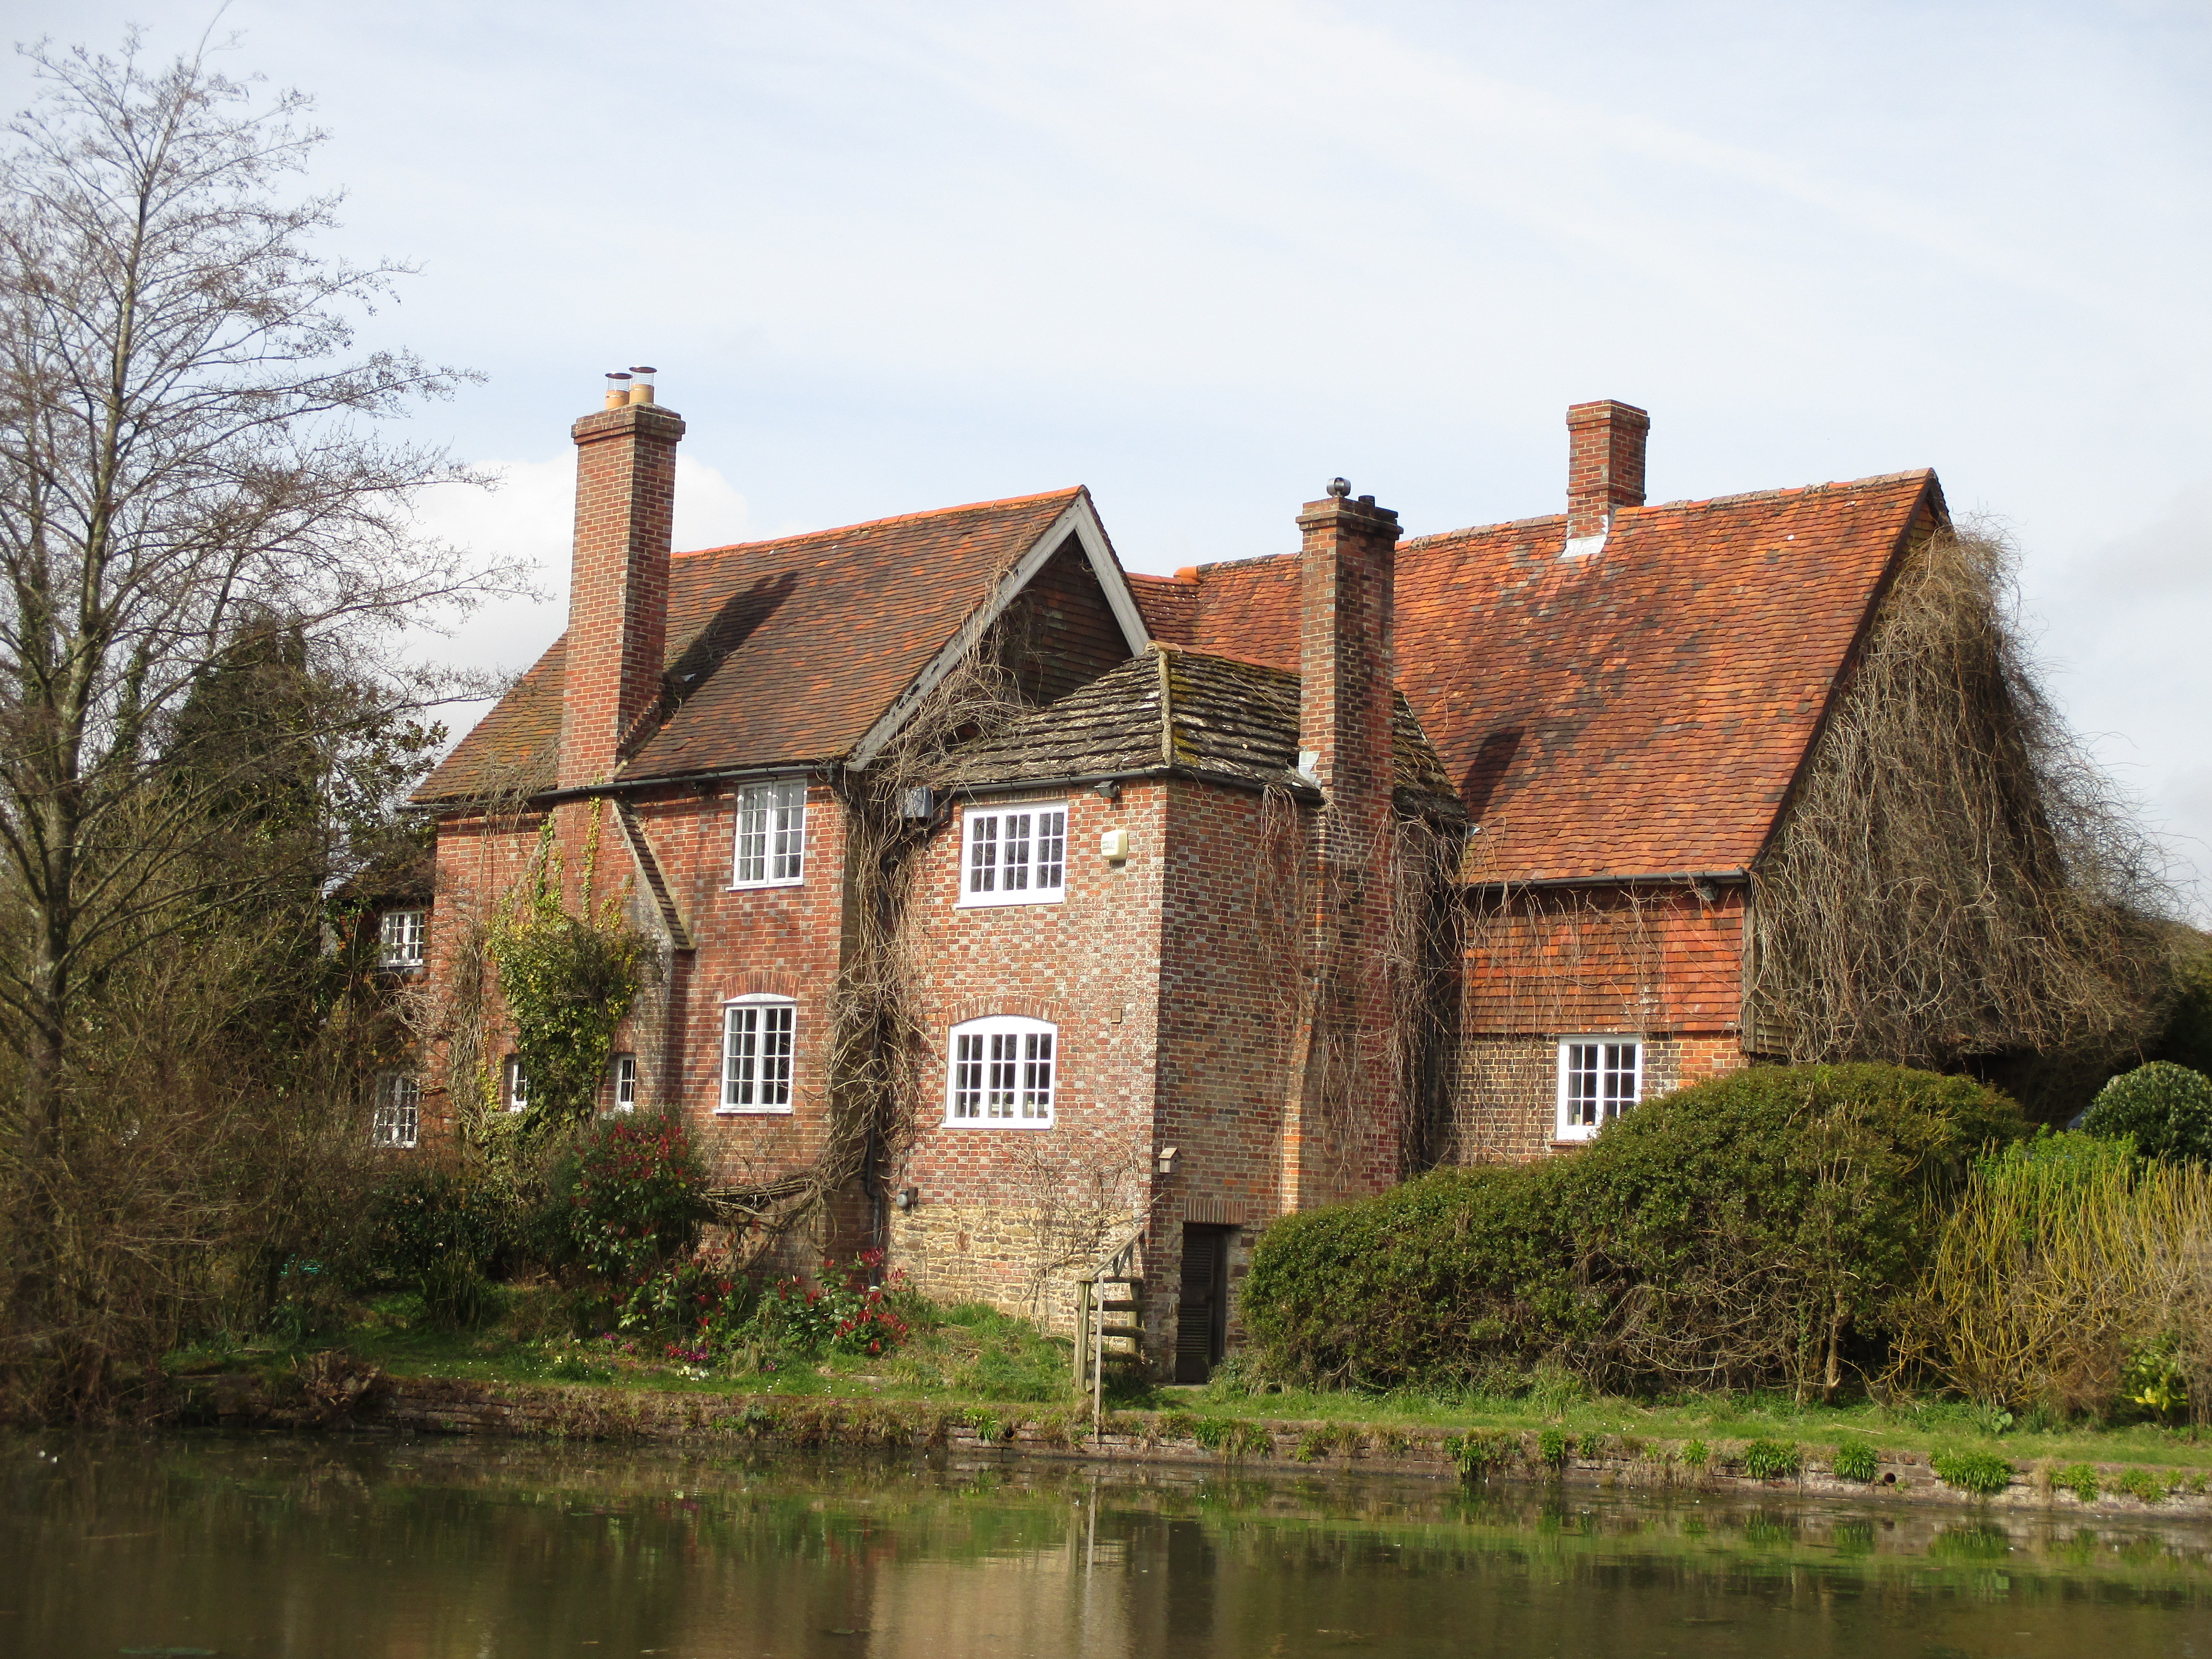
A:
{"x":971,"y":1353}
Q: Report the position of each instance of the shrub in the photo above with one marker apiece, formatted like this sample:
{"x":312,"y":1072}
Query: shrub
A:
{"x":1733,"y":1234}
{"x":2166,"y":1108}
{"x":2066,"y":1256}
{"x":2080,"y":1479}
{"x":1978,"y":1473}
{"x":1475,"y":1453}
{"x":842,"y":1314}
{"x":1696,"y":1454}
{"x":422,"y":1218}
{"x":1770,"y":1459}
{"x":2141,"y":1483}
{"x":1855,"y":1461}
{"x":633,"y":1197}
{"x":1554,"y":1447}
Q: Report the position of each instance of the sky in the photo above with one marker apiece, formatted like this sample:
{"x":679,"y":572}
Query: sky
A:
{"x":1204,"y":256}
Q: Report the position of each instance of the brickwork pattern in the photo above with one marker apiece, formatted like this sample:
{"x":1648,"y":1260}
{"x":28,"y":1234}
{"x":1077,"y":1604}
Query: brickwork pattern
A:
{"x":618,"y":584}
{"x":1605,"y":463}
{"x":1506,"y":1097}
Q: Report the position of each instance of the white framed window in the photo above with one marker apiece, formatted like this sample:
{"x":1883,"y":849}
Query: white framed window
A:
{"x":1002,"y":1074}
{"x":516,"y":1086}
{"x":399,"y":939}
{"x":399,"y":1111}
{"x":757,"y":1035}
{"x":1600,"y":1077}
{"x":1014,"y":854}
{"x":625,"y":1081}
{"x":771,"y":850}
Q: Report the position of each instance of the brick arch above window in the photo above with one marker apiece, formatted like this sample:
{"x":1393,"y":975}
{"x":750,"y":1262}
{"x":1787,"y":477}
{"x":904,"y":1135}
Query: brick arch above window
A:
{"x":1040,"y":1008}
{"x":759,"y":982}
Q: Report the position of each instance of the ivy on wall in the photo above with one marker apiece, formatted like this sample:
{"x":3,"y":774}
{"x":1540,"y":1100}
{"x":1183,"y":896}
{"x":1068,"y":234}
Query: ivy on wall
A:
{"x":568,"y":979}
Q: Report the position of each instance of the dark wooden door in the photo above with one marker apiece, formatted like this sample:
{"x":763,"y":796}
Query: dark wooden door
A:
{"x":1202,"y":1314}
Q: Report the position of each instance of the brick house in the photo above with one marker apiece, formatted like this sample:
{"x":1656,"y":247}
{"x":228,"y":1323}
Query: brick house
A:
{"x":1013,"y":909}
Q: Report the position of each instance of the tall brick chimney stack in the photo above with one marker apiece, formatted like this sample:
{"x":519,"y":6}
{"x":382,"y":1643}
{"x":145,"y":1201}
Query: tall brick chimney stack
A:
{"x":1343,"y":1132}
{"x":1605,"y":468}
{"x":618,"y":586}
{"x":1345,"y":664}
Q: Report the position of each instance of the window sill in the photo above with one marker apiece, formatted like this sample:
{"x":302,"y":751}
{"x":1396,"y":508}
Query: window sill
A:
{"x":752,"y":1111}
{"x":763,"y":886}
{"x":1001,"y":901}
{"x":1570,"y":1142}
{"x":996,"y":1123}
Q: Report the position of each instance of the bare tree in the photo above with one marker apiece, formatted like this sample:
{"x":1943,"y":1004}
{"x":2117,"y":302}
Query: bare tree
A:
{"x":186,"y":446}
{"x":189,"y":459}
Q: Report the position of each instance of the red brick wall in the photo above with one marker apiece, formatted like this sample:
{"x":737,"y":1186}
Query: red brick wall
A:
{"x":996,"y":1206}
{"x":618,"y":591}
{"x":1060,"y":633}
{"x":1658,"y":964}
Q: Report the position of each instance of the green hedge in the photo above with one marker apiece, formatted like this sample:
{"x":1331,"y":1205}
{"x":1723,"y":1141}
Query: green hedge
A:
{"x":2168,"y":1108}
{"x":1737,"y":1233}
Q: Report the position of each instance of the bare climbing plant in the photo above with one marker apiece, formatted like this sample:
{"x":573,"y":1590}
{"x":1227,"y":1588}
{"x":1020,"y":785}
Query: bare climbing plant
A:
{"x":1955,"y":876}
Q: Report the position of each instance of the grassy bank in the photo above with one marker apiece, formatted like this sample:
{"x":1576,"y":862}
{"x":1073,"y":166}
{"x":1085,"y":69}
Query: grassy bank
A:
{"x":973,"y":1357}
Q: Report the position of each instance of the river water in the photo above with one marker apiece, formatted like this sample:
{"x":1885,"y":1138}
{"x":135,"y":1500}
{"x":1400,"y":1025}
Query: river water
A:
{"x":258,"y":1544}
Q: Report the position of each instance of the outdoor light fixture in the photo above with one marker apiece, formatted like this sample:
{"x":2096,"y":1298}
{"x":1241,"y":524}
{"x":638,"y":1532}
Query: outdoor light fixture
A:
{"x":903,"y":1199}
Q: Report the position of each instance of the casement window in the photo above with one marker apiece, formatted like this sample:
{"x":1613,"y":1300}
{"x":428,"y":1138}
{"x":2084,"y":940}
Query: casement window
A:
{"x":1600,"y":1077}
{"x":756,"y":1054}
{"x":1014,"y":854}
{"x":516,"y":1086}
{"x":399,"y":939}
{"x":771,"y":848}
{"x":625,"y":1081}
{"x":399,"y":1111}
{"x":1001,"y":1074}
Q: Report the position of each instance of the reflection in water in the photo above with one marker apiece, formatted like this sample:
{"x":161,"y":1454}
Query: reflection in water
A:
{"x":464,"y":1550}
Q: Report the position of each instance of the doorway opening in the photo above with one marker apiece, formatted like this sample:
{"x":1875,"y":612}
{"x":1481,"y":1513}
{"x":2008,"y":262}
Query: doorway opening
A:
{"x":1202,"y":1314}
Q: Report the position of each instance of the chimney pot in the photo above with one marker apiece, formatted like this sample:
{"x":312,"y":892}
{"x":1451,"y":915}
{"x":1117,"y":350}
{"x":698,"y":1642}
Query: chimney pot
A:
{"x":1604,"y":469}
{"x":617,"y":389}
{"x":641,"y":388}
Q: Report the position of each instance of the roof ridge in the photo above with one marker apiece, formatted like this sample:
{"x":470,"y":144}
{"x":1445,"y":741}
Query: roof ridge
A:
{"x":871,"y":524}
{"x":1737,"y":500}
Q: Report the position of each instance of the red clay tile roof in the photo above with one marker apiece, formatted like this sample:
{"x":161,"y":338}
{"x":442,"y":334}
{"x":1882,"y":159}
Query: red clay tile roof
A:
{"x":1640,"y":712}
{"x":781,"y":652}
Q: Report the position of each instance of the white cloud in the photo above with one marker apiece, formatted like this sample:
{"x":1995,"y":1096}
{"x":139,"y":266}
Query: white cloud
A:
{"x":530,"y":517}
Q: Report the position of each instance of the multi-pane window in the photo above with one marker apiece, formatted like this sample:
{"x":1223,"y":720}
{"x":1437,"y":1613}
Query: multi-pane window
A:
{"x":625,"y":1079}
{"x":1014,"y":854}
{"x":517,"y":1085}
{"x":1001,"y":1073}
{"x":1600,"y":1077}
{"x":757,"y":1055}
{"x":399,"y":1111}
{"x":771,"y":834}
{"x":399,"y":939}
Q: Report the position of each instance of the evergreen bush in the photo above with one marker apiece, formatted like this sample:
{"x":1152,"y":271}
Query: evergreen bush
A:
{"x":2168,"y":1108}
{"x":428,"y":1219}
{"x":1739,"y":1233}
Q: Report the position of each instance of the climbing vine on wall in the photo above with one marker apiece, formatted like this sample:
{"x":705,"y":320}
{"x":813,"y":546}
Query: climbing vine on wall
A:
{"x":568,"y":979}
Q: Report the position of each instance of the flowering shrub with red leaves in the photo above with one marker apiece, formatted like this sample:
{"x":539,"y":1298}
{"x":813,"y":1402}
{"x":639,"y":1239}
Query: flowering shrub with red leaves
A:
{"x":635,"y":1201}
{"x":844,"y":1313}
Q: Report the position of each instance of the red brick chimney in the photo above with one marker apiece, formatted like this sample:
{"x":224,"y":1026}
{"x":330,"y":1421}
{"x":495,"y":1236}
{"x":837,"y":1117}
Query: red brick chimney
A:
{"x":1605,"y":468}
{"x":618,"y":586}
{"x":1346,"y":665}
{"x":1343,"y":1135}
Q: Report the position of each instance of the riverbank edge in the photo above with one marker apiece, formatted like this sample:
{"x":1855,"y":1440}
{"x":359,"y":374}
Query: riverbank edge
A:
{"x":358,"y":1400}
